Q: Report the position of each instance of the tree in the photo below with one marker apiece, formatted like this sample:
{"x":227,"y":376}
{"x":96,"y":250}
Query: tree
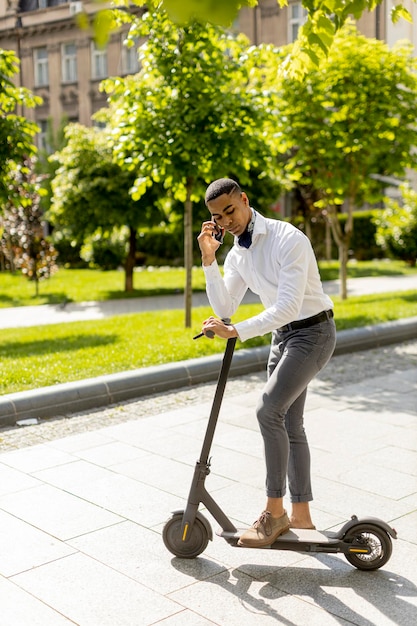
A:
{"x":315,"y":37}
{"x":46,"y":167}
{"x":196,"y":111}
{"x":16,"y":132}
{"x":348,"y":125}
{"x":397,"y":226}
{"x":91,"y":192}
{"x":23,"y":241}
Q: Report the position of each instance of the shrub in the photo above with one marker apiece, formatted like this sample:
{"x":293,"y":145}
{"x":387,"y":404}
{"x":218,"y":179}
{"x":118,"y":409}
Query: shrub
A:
{"x":397,"y":226}
{"x":364,"y":245}
{"x":106,"y":251}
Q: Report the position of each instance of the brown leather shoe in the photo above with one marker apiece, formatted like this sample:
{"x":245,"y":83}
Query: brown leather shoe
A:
{"x":264,"y":531}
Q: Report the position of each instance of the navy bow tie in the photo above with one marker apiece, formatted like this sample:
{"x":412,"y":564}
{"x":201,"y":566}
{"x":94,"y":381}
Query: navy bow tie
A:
{"x":245,"y":239}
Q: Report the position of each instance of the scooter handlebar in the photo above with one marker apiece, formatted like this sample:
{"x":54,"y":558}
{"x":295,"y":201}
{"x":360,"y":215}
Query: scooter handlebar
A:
{"x":209,"y":333}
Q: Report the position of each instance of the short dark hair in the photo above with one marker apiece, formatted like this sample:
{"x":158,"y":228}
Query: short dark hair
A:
{"x":219,"y":187}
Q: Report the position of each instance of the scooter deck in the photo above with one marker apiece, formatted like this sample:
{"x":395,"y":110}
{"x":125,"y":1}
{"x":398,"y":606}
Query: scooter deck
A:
{"x":302,"y":540}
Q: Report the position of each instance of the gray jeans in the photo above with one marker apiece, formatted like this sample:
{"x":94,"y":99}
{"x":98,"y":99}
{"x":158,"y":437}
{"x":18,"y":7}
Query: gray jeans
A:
{"x":296,"y":356}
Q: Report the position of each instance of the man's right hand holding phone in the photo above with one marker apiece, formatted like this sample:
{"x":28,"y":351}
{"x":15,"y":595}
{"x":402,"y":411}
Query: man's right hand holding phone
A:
{"x":209,"y":240}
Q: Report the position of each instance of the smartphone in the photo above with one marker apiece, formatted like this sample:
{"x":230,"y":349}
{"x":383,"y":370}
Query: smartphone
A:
{"x":218,"y":233}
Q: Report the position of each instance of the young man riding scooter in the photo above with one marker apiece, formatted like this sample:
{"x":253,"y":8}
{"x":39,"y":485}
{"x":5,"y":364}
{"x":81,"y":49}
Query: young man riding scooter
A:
{"x":275,"y":260}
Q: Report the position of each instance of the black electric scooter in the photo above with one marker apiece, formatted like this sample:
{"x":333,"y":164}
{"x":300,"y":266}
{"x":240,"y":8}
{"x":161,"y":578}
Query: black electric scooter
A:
{"x":366,"y":543}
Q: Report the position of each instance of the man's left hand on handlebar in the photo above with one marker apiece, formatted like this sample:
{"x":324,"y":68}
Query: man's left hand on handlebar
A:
{"x":219,"y":328}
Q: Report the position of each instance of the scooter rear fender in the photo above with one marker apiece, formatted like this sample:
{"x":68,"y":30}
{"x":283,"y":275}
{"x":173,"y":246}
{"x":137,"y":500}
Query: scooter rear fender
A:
{"x":354,"y":521}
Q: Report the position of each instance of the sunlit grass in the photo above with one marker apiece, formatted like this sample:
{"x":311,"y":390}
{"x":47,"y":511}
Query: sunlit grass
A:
{"x":45,"y":355}
{"x":87,"y":285}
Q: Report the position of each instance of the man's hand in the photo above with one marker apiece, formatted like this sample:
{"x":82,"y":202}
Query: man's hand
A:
{"x":219,"y":328}
{"x":208,"y":243}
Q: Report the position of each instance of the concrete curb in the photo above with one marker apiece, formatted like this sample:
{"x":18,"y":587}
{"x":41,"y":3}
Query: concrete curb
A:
{"x":93,"y":393}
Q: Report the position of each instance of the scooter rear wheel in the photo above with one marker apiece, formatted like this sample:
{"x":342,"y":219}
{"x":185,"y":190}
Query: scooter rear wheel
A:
{"x":196,"y":542}
{"x":374,"y":538}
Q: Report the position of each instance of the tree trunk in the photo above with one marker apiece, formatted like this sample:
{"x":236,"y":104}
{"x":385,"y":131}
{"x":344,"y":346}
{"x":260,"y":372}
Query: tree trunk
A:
{"x":307,"y":226}
{"x":130,"y":260}
{"x":328,"y":240}
{"x":343,"y":249}
{"x":342,"y":240}
{"x":188,"y":254}
{"x":11,"y":257}
{"x":343,"y":261}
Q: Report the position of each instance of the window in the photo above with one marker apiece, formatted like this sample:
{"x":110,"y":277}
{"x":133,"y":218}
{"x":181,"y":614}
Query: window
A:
{"x":69,"y":63}
{"x":98,"y":61}
{"x":297,"y":17}
{"x":40,"y":56}
{"x":130,"y":61}
{"x":43,"y":136}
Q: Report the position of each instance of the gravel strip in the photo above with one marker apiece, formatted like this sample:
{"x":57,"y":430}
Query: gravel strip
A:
{"x":344,"y":369}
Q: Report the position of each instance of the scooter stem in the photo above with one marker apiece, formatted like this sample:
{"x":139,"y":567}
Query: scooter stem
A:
{"x":217,"y":401}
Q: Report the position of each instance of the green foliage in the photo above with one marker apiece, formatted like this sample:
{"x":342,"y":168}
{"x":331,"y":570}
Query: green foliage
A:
{"x":91,"y":193}
{"x":348,"y":125}
{"x":68,"y":250}
{"x":351,"y":121}
{"x":198,"y":110}
{"x":315,"y":38}
{"x":55,"y":141}
{"x":397,"y":226}
{"x":107,"y":252}
{"x":363,"y":243}
{"x":195,"y":112}
{"x":162,"y":245}
{"x":217,"y":11}
{"x":16,"y":132}
{"x":90,"y":190}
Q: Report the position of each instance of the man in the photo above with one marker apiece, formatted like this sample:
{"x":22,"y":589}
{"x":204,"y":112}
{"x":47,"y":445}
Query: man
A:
{"x":276,"y":261}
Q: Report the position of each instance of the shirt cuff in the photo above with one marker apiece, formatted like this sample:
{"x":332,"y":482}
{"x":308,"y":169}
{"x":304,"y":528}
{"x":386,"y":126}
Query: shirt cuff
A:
{"x":212,"y":272}
{"x":246,"y":329}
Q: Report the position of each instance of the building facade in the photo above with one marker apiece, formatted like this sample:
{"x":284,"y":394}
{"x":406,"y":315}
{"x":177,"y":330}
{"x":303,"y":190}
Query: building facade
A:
{"x":60,"y":62}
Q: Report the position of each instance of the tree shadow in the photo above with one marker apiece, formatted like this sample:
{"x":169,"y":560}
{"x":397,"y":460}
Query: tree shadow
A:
{"x":386,"y":591}
{"x":13,"y":349}
{"x":58,"y":297}
{"x":146,"y":293}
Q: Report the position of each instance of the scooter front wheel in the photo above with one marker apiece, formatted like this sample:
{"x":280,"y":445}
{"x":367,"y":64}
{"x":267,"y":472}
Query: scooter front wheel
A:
{"x":374,"y":539}
{"x":196,"y":541}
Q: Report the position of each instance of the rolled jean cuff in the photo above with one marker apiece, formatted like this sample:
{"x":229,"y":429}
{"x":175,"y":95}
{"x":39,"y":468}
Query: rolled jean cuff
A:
{"x":297,"y":499}
{"x":275,"y":494}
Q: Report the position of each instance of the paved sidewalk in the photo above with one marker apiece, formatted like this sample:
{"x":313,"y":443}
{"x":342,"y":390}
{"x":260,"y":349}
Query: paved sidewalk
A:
{"x":13,"y":317}
{"x":81,"y":514}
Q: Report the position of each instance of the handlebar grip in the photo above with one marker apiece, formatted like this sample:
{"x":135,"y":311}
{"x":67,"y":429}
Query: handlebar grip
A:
{"x":209,"y":333}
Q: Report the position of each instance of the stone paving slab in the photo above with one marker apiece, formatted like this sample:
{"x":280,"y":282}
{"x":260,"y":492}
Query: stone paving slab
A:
{"x":84,"y":498}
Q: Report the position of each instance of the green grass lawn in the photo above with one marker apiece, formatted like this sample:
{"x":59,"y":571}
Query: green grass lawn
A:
{"x":87,"y":285}
{"x":45,"y":355}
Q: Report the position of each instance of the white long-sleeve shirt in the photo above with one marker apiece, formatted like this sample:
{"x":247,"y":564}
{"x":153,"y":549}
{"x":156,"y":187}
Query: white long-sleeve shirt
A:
{"x":280,"y":266}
